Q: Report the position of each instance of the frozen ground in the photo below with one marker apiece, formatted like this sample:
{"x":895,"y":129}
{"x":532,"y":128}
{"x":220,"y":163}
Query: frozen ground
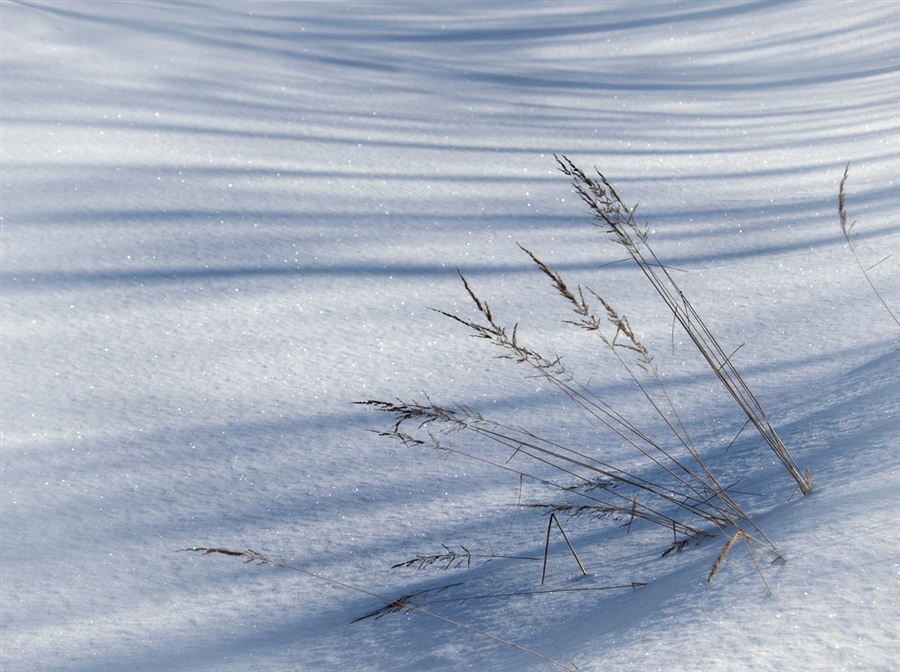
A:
{"x":223,"y":222}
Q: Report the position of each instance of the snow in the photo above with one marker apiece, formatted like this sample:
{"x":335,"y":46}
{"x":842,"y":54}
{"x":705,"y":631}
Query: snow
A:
{"x":224,"y":222}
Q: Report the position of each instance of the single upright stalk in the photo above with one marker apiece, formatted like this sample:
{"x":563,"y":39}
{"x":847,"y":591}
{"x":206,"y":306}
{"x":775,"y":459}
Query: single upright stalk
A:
{"x":846,"y":229}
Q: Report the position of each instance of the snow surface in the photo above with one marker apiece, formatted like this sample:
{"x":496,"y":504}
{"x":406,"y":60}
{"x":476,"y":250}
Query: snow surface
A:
{"x":223,"y":222}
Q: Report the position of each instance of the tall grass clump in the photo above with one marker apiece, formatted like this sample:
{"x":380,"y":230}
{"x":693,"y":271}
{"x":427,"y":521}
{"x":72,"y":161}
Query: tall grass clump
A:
{"x":672,"y":487}
{"x":613,"y":216}
{"x":664,"y":480}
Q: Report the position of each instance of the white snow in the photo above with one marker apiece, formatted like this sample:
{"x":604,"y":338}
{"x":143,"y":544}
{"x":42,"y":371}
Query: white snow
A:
{"x":223,"y":222}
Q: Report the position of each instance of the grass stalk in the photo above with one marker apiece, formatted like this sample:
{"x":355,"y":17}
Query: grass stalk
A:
{"x":847,"y":230}
{"x":612,"y":215}
{"x":402,"y":604}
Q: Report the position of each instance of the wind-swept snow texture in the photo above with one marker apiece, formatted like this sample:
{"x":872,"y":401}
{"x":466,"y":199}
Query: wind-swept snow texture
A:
{"x":223,"y":222}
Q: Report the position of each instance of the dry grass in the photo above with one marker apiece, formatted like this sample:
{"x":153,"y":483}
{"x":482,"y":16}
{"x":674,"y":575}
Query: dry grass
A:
{"x":453,"y":558}
{"x":406,"y":604}
{"x":721,"y":557}
{"x":850,"y":236}
{"x":672,"y":488}
{"x":681,"y":496}
{"x":675,"y":489}
{"x":614,"y":217}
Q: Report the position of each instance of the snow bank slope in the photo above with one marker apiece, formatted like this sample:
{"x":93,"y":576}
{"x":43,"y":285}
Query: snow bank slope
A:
{"x":224,"y":222}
